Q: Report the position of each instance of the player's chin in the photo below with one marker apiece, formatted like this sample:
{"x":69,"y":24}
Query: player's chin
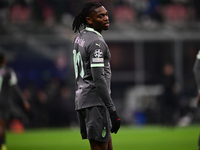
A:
{"x":106,"y":28}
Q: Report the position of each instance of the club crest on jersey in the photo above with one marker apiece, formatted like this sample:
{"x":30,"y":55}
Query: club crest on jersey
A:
{"x":104,"y":132}
{"x":98,"y":53}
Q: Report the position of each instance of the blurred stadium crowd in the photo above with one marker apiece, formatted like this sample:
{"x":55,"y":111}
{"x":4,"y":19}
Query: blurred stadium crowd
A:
{"x":36,"y":37}
{"x":51,"y":12}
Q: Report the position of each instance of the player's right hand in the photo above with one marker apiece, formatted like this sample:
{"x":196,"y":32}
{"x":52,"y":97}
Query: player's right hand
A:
{"x":116,"y":122}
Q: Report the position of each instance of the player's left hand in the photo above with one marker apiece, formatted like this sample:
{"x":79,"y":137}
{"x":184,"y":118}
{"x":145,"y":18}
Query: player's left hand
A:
{"x":116,"y":122}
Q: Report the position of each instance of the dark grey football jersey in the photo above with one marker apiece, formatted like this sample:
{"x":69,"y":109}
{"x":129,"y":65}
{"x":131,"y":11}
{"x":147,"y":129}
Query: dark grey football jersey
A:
{"x":91,"y":51}
{"x":7,"y":79}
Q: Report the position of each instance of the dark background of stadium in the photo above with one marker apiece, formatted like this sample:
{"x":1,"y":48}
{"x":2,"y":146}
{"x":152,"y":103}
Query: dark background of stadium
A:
{"x":36,"y":37}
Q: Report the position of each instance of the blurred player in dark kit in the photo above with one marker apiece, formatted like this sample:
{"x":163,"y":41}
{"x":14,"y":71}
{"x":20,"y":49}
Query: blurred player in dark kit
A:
{"x":8,"y":86}
{"x":196,"y":70}
{"x":170,"y":102}
{"x":95,"y":108}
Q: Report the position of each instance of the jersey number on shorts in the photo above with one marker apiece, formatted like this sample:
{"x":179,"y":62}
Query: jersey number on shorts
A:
{"x":78,"y":63}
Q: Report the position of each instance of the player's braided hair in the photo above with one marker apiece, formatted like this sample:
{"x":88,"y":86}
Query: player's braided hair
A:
{"x":80,"y":18}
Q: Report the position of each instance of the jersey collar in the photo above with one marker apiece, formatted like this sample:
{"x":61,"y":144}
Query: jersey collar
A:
{"x":91,"y":29}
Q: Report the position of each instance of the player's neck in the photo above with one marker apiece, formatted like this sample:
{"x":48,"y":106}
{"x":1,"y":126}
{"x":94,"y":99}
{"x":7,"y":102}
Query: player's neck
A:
{"x":93,"y":30}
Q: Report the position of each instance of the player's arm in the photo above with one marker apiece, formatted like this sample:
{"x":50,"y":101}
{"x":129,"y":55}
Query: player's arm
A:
{"x":102,"y":89}
{"x":99,"y":78}
{"x":97,"y":52}
{"x":196,"y":70}
{"x":15,"y":90}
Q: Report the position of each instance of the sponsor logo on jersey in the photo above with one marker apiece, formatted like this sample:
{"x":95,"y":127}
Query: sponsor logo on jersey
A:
{"x":98,"y":44}
{"x":80,"y":41}
{"x":97,"y":59}
{"x":98,"y":53}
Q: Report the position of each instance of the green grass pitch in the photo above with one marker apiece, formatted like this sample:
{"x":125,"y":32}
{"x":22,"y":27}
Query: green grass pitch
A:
{"x":128,"y":138}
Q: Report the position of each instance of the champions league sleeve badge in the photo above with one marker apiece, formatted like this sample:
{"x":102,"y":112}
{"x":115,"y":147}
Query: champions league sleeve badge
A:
{"x":98,"y":56}
{"x":98,"y":53}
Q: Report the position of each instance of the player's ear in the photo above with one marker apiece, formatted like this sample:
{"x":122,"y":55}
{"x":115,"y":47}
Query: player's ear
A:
{"x":89,"y":20}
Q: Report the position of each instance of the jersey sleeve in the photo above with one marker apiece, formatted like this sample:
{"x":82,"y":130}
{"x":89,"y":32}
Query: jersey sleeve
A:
{"x":97,"y":52}
{"x":97,"y":57}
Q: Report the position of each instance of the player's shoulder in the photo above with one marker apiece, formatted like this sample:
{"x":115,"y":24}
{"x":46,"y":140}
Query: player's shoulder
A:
{"x":92,"y":35}
{"x":85,"y":38}
{"x":96,"y":40}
